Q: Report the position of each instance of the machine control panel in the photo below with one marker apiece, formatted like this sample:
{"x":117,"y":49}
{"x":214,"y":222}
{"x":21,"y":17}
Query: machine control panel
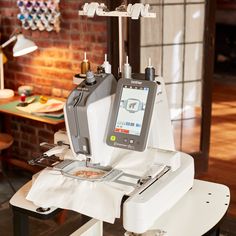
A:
{"x":131,"y":114}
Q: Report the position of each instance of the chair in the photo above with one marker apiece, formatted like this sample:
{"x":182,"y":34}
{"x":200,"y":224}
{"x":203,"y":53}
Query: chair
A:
{"x":6,"y":141}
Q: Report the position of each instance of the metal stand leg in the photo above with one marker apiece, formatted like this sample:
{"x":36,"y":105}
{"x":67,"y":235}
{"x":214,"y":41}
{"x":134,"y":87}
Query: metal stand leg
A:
{"x":8,"y":181}
{"x":20,"y":224}
{"x":214,"y":232}
{"x":218,"y":231}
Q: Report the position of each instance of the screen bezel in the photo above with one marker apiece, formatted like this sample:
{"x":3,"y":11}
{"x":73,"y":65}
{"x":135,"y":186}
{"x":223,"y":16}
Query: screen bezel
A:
{"x":140,"y":140}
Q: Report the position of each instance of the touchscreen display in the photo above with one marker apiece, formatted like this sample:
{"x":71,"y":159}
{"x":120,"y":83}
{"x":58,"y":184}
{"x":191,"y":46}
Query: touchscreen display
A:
{"x":131,"y":110}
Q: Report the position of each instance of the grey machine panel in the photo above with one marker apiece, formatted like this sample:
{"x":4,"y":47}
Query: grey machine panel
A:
{"x":131,"y":115}
{"x":87,"y":92}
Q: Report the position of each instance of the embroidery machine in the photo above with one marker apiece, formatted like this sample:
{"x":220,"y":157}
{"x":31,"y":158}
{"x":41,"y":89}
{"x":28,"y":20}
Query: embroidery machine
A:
{"x":100,"y":137}
{"x":159,"y":176}
{"x":124,"y":130}
{"x":150,"y":135}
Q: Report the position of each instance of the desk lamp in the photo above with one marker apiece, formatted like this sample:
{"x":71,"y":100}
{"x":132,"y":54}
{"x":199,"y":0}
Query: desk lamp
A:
{"x":22,"y":47}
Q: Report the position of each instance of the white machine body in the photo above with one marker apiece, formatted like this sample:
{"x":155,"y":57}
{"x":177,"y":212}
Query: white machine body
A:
{"x":144,"y":206}
{"x":161,"y":133}
{"x":141,"y":210}
{"x":98,"y":114}
{"x":101,"y":153}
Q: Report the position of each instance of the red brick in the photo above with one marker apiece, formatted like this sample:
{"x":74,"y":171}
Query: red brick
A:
{"x":27,"y":145}
{"x":25,"y":137}
{"x":65,"y":93}
{"x":70,"y":15}
{"x":39,"y":89}
{"x":56,"y":92}
{"x":69,"y":5}
{"x":33,"y":139}
{"x":62,"y":64}
{"x":5,"y":4}
{"x":21,"y":153}
{"x":28,"y":129}
{"x":102,"y":28}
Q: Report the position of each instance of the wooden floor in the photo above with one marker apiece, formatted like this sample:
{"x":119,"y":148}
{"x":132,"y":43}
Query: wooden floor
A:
{"x":222,"y":162}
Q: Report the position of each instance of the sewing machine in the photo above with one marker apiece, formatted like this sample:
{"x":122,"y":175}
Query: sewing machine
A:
{"x":125,"y":127}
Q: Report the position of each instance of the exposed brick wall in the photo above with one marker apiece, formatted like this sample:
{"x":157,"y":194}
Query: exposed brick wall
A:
{"x":28,"y":135}
{"x":50,"y":69}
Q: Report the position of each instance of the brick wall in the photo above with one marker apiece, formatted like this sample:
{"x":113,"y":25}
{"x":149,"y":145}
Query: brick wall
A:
{"x":49,"y":69}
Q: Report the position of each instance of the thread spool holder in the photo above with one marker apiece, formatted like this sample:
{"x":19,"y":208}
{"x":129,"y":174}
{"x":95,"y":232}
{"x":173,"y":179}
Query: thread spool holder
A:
{"x":39,"y":14}
{"x":134,"y":11}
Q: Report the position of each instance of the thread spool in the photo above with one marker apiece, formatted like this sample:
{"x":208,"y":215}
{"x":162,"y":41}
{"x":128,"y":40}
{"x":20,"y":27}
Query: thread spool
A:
{"x":127,"y":69}
{"x":149,"y":71}
{"x":106,"y":65}
{"x":85,"y":65}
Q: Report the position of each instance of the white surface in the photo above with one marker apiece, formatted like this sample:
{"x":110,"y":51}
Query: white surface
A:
{"x":51,"y":188}
{"x":174,"y":94}
{"x":106,"y":65}
{"x":91,"y":198}
{"x":56,"y":150}
{"x":97,"y":124}
{"x":62,"y":136}
{"x":173,"y":24}
{"x":193,"y":61}
{"x":192,"y":215}
{"x":101,"y":152}
{"x":161,"y":133}
{"x":142,"y":209}
{"x":6,"y":93}
{"x":195,"y":22}
{"x":173,"y":63}
{"x":23,"y":46}
{"x":19,"y":200}
{"x":151,"y":29}
{"x":91,"y":228}
{"x":192,"y":95}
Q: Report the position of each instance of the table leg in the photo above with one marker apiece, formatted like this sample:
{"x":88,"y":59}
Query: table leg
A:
{"x":214,"y":232}
{"x":20,"y":223}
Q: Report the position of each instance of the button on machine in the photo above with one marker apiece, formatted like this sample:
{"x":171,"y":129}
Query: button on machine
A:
{"x":113,"y":138}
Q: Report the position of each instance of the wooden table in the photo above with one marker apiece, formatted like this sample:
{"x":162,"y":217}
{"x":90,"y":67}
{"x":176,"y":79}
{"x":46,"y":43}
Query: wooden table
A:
{"x":9,"y":110}
{"x":15,"y":112}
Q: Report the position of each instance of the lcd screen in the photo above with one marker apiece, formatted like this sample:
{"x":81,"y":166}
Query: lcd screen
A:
{"x":131,"y":110}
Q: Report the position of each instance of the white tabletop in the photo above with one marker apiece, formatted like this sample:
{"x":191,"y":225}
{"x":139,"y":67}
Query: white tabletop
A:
{"x":19,"y":200}
{"x":197,"y":212}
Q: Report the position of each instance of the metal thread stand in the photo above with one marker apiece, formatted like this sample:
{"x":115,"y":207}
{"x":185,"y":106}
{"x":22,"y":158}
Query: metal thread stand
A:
{"x":134,"y":11}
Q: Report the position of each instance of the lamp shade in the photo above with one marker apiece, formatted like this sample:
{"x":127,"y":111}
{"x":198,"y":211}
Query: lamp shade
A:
{"x":23,"y":46}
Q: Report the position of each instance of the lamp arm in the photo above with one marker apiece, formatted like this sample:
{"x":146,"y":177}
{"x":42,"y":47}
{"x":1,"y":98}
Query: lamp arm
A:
{"x":1,"y":70}
{"x":12,"y":39}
